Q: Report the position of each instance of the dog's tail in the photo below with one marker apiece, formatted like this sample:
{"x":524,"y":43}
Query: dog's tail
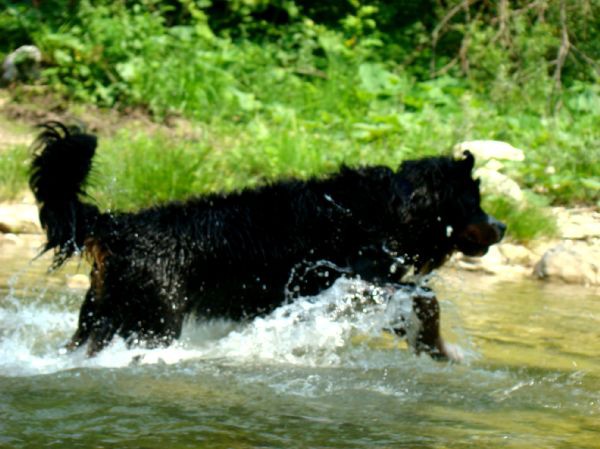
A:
{"x":62,"y":161}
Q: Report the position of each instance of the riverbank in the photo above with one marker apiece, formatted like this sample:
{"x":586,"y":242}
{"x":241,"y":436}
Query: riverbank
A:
{"x":573,"y":257}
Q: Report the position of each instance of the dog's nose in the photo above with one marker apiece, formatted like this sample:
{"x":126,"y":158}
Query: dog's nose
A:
{"x":498,"y":226}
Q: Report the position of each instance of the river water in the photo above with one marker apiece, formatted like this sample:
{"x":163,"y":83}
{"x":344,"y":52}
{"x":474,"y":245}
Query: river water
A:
{"x":315,"y":374}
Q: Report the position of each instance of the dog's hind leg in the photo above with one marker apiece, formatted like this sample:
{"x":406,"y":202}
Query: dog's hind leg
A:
{"x":154,"y":330}
{"x":95,"y":326}
{"x":84,"y":327}
{"x":103,"y":331}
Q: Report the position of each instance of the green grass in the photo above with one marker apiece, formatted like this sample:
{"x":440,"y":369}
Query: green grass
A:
{"x":14,"y":164}
{"x":134,"y":170}
{"x":526,"y":222}
{"x":278,"y":124}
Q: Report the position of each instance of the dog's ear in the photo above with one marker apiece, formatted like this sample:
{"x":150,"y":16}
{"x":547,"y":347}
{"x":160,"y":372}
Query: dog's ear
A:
{"x":468,"y":162}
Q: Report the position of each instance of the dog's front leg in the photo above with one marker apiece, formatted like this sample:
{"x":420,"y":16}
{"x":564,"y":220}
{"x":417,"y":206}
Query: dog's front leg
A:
{"x":423,"y":331}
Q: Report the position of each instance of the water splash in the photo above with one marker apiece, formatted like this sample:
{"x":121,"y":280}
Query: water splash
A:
{"x":334,"y":328}
{"x":318,"y":331}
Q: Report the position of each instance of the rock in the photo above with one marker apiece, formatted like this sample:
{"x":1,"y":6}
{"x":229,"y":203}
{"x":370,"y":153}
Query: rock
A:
{"x":17,"y":243}
{"x":499,"y":184}
{"x":23,"y":64}
{"x":9,"y":240}
{"x":577,"y":224}
{"x":491,"y":263}
{"x":502,"y":259}
{"x":571,"y":262}
{"x":516,"y":254}
{"x":491,"y":152}
{"x":490,"y":149}
{"x":19,"y":219}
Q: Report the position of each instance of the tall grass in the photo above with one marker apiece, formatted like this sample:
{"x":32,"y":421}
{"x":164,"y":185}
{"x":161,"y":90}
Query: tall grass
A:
{"x":134,"y":170}
{"x":526,"y":221}
{"x":14,"y":169}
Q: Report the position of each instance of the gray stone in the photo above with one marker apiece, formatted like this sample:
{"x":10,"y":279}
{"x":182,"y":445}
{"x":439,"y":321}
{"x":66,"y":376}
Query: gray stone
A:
{"x":484,"y":150}
{"x":577,"y":223}
{"x":516,"y":254}
{"x":23,"y":64}
{"x":78,"y":281}
{"x":19,"y":219}
{"x":498,"y":183}
{"x":488,"y":154}
{"x":571,"y":262}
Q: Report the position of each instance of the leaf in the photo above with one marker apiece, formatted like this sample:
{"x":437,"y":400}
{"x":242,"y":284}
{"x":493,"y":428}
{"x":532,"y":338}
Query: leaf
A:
{"x":377,"y":80}
{"x":128,"y":70}
{"x":369,"y":131}
{"x":591,"y":183}
{"x":62,"y":57}
{"x":246,"y":101}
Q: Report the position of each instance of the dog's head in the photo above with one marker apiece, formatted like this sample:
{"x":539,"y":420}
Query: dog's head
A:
{"x":475,"y":230}
{"x":444,"y":199}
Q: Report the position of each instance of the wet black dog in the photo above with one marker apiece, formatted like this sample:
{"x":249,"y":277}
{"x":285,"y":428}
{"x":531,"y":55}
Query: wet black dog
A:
{"x":242,"y":254}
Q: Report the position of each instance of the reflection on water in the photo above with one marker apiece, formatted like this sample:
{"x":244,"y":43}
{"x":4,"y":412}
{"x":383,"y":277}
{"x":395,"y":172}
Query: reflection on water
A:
{"x":312,"y":374}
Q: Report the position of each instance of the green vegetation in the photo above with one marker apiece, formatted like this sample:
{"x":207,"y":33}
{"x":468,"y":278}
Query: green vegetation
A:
{"x":297,"y":88}
{"x":525,"y":221}
{"x":13,"y":171}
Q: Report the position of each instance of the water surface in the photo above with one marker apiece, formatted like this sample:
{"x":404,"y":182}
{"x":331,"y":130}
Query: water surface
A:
{"x":316,"y":374}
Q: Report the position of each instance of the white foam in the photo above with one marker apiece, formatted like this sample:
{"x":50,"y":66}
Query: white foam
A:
{"x":315,"y":331}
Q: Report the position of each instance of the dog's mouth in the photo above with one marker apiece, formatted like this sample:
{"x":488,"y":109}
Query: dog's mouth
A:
{"x":477,"y":237}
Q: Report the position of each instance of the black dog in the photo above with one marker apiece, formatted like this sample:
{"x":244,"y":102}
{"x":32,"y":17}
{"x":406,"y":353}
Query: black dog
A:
{"x":243,"y":254}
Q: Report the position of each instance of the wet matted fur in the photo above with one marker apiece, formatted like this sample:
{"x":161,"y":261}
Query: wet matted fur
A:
{"x":245,"y":253}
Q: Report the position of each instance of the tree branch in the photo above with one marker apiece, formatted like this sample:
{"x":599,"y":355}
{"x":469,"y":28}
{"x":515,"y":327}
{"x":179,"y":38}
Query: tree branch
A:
{"x":435,"y":34}
{"x":586,"y":58}
{"x":565,"y":45}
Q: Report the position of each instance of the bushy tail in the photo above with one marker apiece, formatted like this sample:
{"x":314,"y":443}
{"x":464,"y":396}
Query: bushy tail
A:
{"x":61,"y":163}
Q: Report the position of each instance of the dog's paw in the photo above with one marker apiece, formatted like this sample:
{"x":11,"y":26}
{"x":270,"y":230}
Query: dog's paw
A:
{"x":454,"y":353}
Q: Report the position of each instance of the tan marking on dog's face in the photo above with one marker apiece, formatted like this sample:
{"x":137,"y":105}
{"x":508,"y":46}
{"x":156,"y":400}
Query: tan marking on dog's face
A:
{"x":482,"y":233}
{"x":476,"y":238}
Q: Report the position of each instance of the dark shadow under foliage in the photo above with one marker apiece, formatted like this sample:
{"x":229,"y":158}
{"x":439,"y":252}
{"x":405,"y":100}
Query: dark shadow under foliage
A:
{"x":244,"y":254}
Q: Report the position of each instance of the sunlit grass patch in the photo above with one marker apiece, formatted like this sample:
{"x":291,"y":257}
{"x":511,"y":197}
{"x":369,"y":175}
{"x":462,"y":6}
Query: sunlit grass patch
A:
{"x":13,"y":171}
{"x":526,"y":221}
{"x":134,"y":170}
